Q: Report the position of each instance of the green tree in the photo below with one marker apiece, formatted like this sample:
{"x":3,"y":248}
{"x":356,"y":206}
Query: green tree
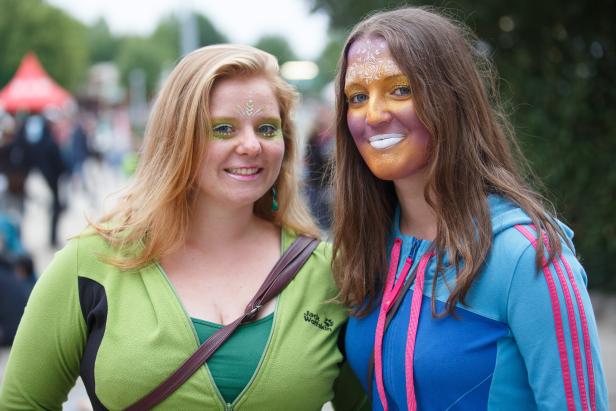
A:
{"x":344,"y":14}
{"x":151,"y":54}
{"x":166,"y":36}
{"x":558,"y":74}
{"x":208,"y":33}
{"x":161,"y":50}
{"x":102,"y":44}
{"x":278,"y":46}
{"x":328,"y":60}
{"x":57,"y":39}
{"x":142,"y":53}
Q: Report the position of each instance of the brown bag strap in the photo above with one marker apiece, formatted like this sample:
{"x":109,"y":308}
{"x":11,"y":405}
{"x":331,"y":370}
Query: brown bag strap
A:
{"x":282,"y":273}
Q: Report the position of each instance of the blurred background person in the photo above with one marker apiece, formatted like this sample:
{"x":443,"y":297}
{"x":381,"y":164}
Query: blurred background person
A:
{"x":81,"y":149}
{"x":318,"y":154}
{"x":42,"y":153}
{"x":17,"y":278}
{"x":13,"y":297}
{"x":13,"y":168}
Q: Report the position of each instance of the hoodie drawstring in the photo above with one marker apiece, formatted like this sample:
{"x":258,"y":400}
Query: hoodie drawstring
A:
{"x":412,"y":331}
{"x":390,"y":294}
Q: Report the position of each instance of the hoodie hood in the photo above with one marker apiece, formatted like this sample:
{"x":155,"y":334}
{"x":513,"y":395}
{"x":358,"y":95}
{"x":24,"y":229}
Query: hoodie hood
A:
{"x":505,"y":214}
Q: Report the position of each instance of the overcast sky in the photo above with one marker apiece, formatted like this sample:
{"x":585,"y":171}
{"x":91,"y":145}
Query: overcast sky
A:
{"x":242,"y":21}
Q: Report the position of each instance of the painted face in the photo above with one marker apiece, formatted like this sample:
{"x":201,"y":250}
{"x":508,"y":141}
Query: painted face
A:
{"x":381,"y":116}
{"x":245,"y":151}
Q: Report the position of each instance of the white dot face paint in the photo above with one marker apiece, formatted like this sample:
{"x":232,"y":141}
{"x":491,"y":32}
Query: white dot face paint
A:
{"x":371,"y":60}
{"x":381,"y":114}
{"x":248,"y":109}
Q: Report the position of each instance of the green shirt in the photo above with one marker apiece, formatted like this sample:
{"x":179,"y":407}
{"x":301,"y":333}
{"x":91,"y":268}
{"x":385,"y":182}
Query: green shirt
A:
{"x":234,"y":362}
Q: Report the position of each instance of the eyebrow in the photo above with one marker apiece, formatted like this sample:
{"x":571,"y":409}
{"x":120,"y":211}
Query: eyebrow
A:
{"x":220,"y":120}
{"x":237,"y":119}
{"x":266,"y":119}
{"x":354,"y":82}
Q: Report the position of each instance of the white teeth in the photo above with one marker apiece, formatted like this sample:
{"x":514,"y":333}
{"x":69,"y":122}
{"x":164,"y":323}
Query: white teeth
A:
{"x":243,"y":171}
{"x":381,"y":141}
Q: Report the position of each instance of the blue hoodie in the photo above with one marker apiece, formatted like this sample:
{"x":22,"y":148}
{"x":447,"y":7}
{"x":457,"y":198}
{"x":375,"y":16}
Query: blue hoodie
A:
{"x":505,"y":349}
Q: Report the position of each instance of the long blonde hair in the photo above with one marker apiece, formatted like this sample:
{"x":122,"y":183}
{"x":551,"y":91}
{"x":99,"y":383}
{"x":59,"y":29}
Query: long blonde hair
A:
{"x":473,"y":153}
{"x":156,"y":211}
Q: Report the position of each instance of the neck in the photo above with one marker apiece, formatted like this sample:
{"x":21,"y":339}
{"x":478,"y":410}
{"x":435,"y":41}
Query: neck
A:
{"x":417,"y":218}
{"x":214,"y":225}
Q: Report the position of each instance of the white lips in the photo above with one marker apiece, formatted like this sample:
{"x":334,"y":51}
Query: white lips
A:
{"x":381,"y":141}
{"x":243,"y":171}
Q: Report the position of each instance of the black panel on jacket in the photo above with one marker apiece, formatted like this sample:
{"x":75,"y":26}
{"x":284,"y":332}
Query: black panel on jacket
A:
{"x":93,"y":301}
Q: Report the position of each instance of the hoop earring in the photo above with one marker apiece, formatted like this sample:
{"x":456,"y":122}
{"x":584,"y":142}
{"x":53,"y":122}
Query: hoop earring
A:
{"x":274,"y":199}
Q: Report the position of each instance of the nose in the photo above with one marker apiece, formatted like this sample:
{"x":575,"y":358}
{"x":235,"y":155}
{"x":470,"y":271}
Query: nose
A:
{"x":248,"y":143}
{"x":377,"y":112}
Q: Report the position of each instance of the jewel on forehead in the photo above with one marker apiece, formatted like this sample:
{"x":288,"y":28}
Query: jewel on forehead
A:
{"x":249,"y":109}
{"x":372,"y":61}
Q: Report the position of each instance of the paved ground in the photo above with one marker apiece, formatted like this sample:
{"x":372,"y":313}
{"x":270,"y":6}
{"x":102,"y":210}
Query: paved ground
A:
{"x":91,"y":204}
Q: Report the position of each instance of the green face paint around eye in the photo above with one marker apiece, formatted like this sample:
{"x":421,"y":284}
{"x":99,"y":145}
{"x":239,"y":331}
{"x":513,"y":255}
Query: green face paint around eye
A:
{"x":270,"y":128}
{"x":222,"y":128}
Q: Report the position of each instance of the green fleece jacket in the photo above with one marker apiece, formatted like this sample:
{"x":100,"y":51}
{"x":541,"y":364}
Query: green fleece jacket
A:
{"x":125,"y":332}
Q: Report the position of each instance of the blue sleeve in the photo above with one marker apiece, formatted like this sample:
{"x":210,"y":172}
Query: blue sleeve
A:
{"x":550,"y":315}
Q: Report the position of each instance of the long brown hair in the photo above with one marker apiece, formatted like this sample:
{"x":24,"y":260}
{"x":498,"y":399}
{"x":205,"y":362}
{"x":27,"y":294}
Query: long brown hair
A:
{"x":473,"y":153}
{"x":156,"y":210}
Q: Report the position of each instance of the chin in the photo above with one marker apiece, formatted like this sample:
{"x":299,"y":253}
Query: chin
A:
{"x":386,"y":176}
{"x":385,"y":173}
{"x":244,"y":200}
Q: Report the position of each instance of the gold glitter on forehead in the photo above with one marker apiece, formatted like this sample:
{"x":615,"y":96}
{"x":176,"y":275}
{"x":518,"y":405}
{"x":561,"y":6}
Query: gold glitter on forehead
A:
{"x":249,"y":109}
{"x":372,"y":62}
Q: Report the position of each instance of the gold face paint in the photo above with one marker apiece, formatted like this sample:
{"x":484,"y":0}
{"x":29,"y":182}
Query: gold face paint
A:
{"x":397,"y":87}
{"x":381,"y":114}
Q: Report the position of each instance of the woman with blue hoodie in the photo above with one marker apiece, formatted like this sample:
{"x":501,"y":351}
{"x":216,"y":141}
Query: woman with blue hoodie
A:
{"x":465,"y":289}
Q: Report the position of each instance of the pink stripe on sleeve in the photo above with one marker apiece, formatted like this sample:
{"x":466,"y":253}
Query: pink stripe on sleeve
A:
{"x":585,"y":334}
{"x":577,"y":354}
{"x":558,"y":325}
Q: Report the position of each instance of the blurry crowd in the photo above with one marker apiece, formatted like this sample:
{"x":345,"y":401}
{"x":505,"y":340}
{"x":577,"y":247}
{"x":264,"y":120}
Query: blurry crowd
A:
{"x":58,"y":146}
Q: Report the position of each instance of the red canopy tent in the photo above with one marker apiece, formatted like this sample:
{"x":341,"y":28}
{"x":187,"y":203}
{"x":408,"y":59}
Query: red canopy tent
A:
{"x":31,"y":89}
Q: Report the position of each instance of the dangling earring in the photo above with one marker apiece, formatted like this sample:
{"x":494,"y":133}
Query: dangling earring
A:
{"x":274,"y":199}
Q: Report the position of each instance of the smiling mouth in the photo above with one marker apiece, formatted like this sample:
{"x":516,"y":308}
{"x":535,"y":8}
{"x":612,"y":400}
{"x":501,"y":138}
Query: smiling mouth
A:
{"x":243,"y":171}
{"x":383,"y":141}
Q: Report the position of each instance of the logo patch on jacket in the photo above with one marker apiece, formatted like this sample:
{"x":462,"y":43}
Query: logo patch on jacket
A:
{"x":314,"y":319}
